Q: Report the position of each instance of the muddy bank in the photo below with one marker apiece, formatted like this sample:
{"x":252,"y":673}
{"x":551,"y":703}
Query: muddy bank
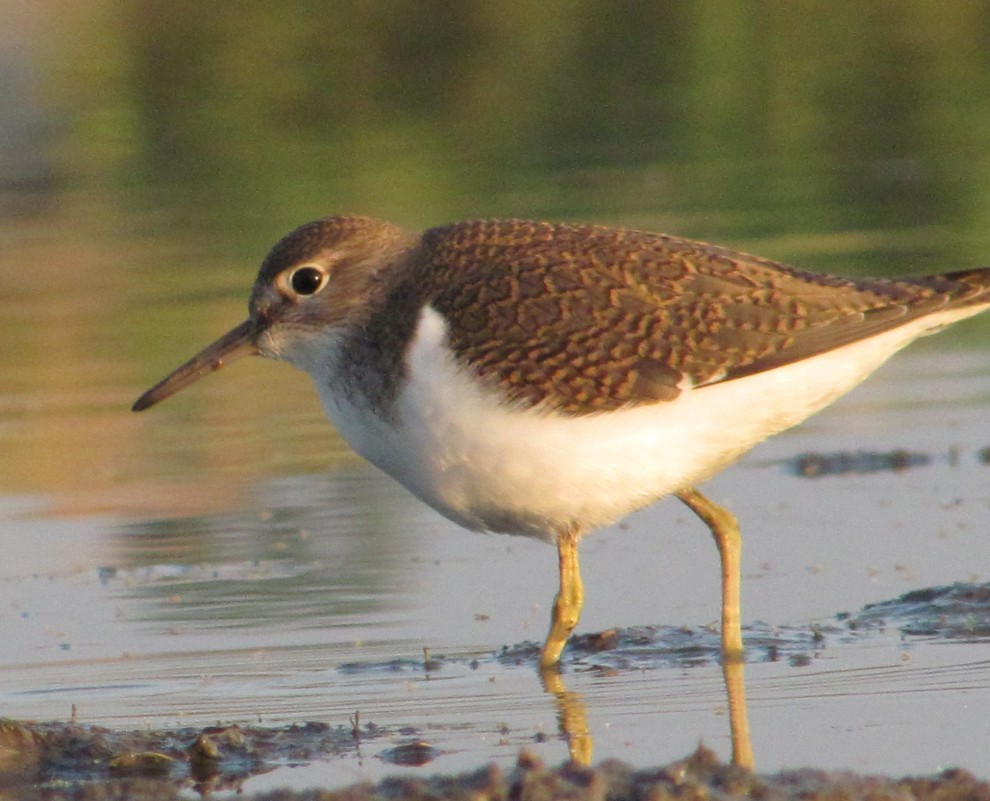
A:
{"x":71,"y":761}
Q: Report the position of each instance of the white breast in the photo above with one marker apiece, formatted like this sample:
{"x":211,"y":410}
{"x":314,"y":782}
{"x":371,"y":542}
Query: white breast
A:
{"x":488,"y":465}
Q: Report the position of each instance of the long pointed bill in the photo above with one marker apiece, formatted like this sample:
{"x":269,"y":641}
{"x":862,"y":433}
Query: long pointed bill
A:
{"x":232,"y":345}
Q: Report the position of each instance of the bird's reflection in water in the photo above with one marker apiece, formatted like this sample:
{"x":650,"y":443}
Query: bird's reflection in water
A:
{"x":572,"y":714}
{"x":734,"y":673}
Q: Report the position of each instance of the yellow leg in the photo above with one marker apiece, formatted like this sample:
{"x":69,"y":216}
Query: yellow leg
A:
{"x":567,"y":605}
{"x":725,"y":530}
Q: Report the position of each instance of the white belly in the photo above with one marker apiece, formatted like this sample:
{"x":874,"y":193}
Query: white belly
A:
{"x":490,"y":466}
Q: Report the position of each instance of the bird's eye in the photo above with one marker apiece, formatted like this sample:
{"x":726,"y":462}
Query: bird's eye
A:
{"x":307,"y":280}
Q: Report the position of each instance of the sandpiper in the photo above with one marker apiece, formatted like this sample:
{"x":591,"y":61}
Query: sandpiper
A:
{"x":548,"y":379}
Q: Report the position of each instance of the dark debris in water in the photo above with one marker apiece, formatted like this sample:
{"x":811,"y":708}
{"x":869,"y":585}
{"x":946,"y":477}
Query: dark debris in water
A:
{"x":640,"y":647}
{"x":954,"y":612}
{"x":414,"y":753}
{"x":390,"y":666}
{"x":427,"y":664}
{"x":814,"y":464}
{"x":951,"y":613}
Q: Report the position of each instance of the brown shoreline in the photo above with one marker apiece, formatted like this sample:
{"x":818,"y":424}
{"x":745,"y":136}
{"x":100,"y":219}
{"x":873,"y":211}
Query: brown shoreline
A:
{"x":73,"y":761}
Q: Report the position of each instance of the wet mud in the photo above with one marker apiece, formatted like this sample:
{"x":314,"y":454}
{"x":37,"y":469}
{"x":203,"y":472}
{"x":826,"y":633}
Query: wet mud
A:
{"x":69,"y":761}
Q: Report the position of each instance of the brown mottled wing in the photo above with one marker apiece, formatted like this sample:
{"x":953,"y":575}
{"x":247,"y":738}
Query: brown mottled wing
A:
{"x":584,"y":319}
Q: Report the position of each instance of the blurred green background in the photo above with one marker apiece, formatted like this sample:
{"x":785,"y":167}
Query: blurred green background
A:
{"x":151,"y":152}
{"x":733,"y":120}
